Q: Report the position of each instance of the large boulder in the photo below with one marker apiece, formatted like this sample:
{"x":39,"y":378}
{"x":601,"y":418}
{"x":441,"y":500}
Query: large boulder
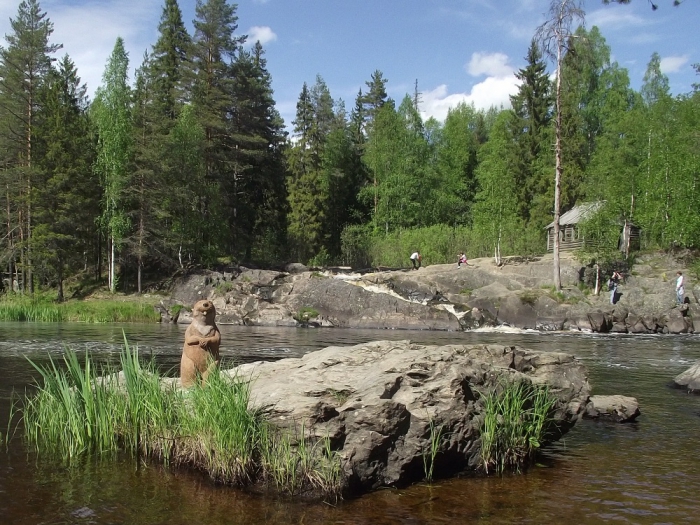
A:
{"x":377,"y":402}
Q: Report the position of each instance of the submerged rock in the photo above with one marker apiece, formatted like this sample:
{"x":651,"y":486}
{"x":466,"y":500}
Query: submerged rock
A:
{"x":381,"y":402}
{"x":621,"y":409}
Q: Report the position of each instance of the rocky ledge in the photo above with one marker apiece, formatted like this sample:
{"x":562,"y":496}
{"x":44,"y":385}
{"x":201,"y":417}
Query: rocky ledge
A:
{"x":378,"y":402}
{"x":517,"y":293}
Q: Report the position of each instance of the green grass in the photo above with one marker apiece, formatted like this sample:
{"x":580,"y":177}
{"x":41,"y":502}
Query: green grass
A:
{"x":79,"y":409}
{"x":305,"y":313}
{"x":40,"y":309}
{"x":431,"y":453}
{"x":516,"y":418}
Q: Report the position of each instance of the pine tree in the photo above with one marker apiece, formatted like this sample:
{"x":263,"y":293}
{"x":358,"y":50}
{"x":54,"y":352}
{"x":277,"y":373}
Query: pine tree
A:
{"x":24,"y":65}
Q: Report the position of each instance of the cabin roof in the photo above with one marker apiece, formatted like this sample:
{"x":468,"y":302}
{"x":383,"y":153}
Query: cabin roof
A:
{"x":577,"y":214}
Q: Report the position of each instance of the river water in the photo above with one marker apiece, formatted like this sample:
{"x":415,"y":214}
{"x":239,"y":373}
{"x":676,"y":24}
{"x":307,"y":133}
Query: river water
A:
{"x":645,"y":472}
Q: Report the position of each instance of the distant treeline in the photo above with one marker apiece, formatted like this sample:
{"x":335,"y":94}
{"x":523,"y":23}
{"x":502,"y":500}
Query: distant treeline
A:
{"x":190,"y":163}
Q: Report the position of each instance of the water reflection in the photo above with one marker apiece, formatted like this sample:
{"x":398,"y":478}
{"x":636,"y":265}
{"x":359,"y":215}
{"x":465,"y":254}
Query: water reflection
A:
{"x":639,"y":473}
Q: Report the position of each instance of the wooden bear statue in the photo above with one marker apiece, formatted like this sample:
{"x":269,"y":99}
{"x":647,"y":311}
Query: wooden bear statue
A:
{"x":200,"y":353}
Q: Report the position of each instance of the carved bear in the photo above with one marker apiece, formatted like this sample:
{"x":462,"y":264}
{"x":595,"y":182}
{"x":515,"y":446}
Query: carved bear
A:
{"x":200,"y":353}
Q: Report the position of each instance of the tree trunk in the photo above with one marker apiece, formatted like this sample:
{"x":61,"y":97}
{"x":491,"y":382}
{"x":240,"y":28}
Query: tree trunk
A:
{"x":557,"y":171}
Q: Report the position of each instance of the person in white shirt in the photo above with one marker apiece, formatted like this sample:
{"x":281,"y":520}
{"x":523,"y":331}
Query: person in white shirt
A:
{"x":680,"y":289}
{"x":416,"y":259}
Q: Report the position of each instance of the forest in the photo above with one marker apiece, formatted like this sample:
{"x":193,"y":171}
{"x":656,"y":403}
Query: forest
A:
{"x":190,"y":164}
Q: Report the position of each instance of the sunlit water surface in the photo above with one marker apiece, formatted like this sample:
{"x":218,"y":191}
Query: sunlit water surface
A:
{"x":646,"y":472}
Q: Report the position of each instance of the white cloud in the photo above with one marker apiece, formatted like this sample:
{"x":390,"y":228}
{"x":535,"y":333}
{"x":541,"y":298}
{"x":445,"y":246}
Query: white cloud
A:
{"x":260,"y":2}
{"x":493,"y":91}
{"x":490,"y":64}
{"x":673,"y":64}
{"x":88,"y":31}
{"x":264,"y":34}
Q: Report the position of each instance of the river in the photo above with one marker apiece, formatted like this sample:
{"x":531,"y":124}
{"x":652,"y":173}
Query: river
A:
{"x":645,"y":472}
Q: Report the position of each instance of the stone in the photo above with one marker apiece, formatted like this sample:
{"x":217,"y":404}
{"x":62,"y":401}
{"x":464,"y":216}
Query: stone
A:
{"x":200,"y":351}
{"x":690,"y":379}
{"x":378,"y":401}
{"x":676,"y":322}
{"x":621,"y":409}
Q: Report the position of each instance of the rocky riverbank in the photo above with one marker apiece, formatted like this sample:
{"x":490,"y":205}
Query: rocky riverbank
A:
{"x":443,"y":297}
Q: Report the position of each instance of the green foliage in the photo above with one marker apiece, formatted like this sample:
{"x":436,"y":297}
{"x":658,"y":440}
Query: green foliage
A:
{"x":516,"y":420}
{"x":305,"y":313}
{"x":322,"y":258}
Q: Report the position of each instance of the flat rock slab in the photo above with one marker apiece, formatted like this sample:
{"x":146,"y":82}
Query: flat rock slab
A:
{"x":380,"y":402}
{"x":622,"y":409}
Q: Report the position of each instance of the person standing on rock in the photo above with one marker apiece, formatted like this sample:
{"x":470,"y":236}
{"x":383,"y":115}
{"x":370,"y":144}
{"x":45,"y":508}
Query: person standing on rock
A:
{"x":680,"y":288}
{"x":612,"y":285}
{"x":416,"y":259}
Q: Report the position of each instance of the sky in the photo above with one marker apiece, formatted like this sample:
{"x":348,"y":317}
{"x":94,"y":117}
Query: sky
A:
{"x":456,"y":50}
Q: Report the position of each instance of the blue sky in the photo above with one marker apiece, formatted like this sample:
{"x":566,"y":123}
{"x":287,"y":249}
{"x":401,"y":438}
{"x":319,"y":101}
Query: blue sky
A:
{"x":457,"y":50}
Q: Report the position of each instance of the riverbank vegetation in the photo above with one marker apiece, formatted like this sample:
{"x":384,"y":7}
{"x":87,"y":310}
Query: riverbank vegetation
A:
{"x":190,"y":164}
{"x":80,"y":409}
{"x":43,"y":308}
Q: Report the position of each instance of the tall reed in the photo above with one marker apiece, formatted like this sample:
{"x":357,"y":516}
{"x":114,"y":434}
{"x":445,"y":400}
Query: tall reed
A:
{"x":78,"y":409}
{"x":42,"y":309}
{"x":516,"y":418}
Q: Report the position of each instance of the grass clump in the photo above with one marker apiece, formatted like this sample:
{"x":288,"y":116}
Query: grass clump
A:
{"x":41,"y":309}
{"x":517,"y":415}
{"x":79,"y":409}
{"x":529,"y":297}
{"x":223,"y":287}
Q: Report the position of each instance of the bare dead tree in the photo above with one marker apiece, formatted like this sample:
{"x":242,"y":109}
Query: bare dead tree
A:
{"x":553,"y":37}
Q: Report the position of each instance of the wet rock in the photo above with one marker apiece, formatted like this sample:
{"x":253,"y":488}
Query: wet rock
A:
{"x":690,"y":379}
{"x":600,"y":322}
{"x":621,"y":409}
{"x":676,"y":322}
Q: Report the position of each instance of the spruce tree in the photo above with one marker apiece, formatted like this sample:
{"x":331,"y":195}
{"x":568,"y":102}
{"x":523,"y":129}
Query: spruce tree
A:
{"x":306,"y":199}
{"x":257,"y":135}
{"x":67,"y":200}
{"x":531,"y":144}
{"x":214,"y":49}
